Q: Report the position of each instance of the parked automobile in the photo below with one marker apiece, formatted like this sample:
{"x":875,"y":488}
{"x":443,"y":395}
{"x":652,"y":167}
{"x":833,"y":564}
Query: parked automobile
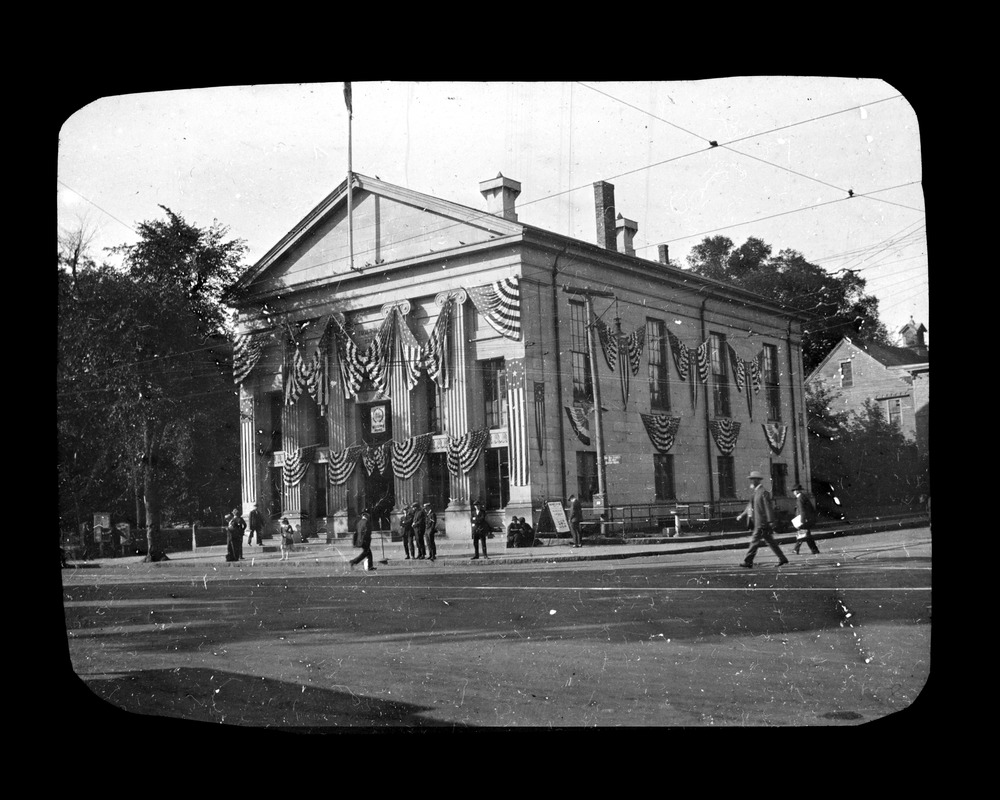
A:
{"x":827,"y":502}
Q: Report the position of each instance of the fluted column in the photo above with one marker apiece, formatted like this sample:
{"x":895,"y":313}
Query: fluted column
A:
{"x":456,"y":409}
{"x":336,"y":496}
{"x":249,"y":479}
{"x":399,"y":391}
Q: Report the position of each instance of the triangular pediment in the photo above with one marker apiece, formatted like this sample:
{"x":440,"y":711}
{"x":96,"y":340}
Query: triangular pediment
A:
{"x":389,"y":224}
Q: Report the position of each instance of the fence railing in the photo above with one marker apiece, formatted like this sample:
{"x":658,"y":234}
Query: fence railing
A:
{"x":667,"y":517}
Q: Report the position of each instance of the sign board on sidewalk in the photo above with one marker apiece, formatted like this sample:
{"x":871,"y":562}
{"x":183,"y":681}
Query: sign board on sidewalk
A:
{"x":558,"y":516}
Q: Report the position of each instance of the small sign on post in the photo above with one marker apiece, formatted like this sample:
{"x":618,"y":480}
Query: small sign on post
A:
{"x":558,"y":516}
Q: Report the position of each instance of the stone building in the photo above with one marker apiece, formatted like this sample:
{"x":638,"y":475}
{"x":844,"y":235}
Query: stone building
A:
{"x":421,"y":350}
{"x":896,"y":378}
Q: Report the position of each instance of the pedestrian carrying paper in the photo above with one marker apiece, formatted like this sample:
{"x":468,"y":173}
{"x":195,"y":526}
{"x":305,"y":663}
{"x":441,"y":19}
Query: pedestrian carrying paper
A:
{"x":797,"y":521}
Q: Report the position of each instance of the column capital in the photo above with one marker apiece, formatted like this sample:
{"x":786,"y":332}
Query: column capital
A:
{"x":403,"y":305}
{"x":459,"y":296}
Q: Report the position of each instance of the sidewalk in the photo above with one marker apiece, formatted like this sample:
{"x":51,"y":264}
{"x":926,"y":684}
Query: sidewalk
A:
{"x":459,"y":553}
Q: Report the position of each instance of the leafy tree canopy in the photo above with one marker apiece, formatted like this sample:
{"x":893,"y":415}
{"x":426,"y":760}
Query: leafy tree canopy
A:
{"x":836,"y":304}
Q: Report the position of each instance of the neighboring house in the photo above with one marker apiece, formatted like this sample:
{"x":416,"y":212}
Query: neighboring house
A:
{"x":421,"y":350}
{"x":896,"y":378}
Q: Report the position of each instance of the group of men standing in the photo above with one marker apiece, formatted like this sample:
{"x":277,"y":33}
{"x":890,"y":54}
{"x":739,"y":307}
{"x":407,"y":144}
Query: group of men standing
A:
{"x":418,"y":526}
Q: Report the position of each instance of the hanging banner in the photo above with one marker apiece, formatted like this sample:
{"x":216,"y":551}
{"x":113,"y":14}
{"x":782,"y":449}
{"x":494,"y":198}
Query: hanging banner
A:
{"x":463,"y":451}
{"x":340,"y":464}
{"x":579,"y":421}
{"x":247,"y":350}
{"x":775,"y":434}
{"x":539,"y":418}
{"x":407,"y":456}
{"x":661,"y":429}
{"x":294,"y":468}
{"x":500,"y":305}
{"x":725,"y":432}
{"x":517,"y":424}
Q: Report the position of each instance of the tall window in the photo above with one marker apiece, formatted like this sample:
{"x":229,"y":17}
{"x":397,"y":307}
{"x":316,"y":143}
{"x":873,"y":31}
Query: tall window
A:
{"x":771,"y":386}
{"x":320,"y":482}
{"x":583,"y":384}
{"x":727,"y":478}
{"x":659,"y":389}
{"x":779,"y":480}
{"x":663,"y":476}
{"x":495,"y":392}
{"x":276,"y":403}
{"x":846,"y":374}
{"x":497,"y":477}
{"x":437,"y":481}
{"x":586,"y":476}
{"x":718,"y":352}
{"x":432,"y":395}
{"x":894,"y":411}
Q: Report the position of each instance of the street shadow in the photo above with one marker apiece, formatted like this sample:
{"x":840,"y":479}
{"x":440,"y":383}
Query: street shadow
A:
{"x":227,"y":698}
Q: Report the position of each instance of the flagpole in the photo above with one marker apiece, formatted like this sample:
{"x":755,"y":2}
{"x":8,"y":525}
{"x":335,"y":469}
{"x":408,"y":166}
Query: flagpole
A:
{"x":350,"y":176}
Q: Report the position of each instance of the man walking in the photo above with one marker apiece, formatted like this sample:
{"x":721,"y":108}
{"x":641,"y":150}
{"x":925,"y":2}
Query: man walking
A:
{"x":805,"y":507}
{"x":575,"y":517}
{"x":430,"y":528}
{"x":479,"y":528}
{"x":406,"y":528}
{"x":363,"y":539}
{"x":418,"y":530}
{"x":763,"y":522}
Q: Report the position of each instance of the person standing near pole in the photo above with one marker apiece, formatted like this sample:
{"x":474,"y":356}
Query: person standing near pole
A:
{"x":806,"y":511}
{"x":406,"y":528}
{"x":363,"y":539}
{"x":418,"y":530}
{"x":480,"y":528}
{"x":763,"y":522}
{"x":256,"y":523}
{"x":575,"y":517}
{"x":430,"y":528}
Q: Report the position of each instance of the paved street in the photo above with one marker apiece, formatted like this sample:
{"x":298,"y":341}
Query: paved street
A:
{"x":679,"y":639}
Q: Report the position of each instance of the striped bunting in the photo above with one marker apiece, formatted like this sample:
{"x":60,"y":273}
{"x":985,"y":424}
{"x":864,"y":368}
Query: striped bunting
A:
{"x":340,"y":464}
{"x":352,"y":366}
{"x":775,"y":433}
{"x":316,"y":380}
{"x":579,"y":421}
{"x":623,"y":353}
{"x":375,"y":458}
{"x":407,"y":456}
{"x":500,"y":305}
{"x":756,"y":370}
{"x":463,"y":451}
{"x":434,"y":353}
{"x":609,"y":343}
{"x":540,"y":418}
{"x":661,"y":429}
{"x":681,"y":355}
{"x":247,"y":351}
{"x":378,"y":356}
{"x":296,"y":377}
{"x":294,"y":468}
{"x":410,"y":351}
{"x":702,"y":356}
{"x":517,"y":424}
{"x":725,"y":432}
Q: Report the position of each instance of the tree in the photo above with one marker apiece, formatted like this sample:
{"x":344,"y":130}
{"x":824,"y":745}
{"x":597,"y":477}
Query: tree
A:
{"x":836,"y":304}
{"x":144,"y":370}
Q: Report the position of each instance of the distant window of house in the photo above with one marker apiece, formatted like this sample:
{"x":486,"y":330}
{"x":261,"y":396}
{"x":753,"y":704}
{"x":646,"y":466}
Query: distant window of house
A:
{"x":894,"y":411}
{"x":779,"y":480}
{"x":495,"y":392}
{"x":771,"y":381}
{"x":718,"y":355}
{"x":846,"y":374}
{"x":586,"y":476}
{"x":663,"y":476}
{"x":583,"y":384}
{"x":656,"y":343}
{"x":727,"y":478}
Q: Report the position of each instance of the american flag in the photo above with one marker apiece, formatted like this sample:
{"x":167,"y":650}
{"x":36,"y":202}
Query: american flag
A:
{"x":247,"y":351}
{"x":340,"y":464}
{"x":464,"y":450}
{"x":517,"y":424}
{"x":579,"y":421}
{"x":295,"y":466}
{"x":408,"y":455}
{"x":434,"y":354}
{"x":500,"y":305}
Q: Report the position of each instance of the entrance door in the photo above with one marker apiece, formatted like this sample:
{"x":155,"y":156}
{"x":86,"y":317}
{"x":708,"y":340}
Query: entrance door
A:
{"x":378,"y":490}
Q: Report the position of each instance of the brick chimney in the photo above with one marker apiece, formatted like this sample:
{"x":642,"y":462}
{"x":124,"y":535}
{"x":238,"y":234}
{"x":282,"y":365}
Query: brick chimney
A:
{"x":663,"y":251}
{"x":604,"y":210}
{"x":500,"y":194}
{"x":625,"y":230}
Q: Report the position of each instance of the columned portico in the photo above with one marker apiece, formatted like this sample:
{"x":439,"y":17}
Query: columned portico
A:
{"x":458,"y":520}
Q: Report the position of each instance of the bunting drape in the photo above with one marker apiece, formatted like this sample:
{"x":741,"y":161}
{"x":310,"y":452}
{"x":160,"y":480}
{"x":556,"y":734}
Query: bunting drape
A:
{"x":294,"y":468}
{"x":690,"y":363}
{"x":623,"y":353}
{"x":661,"y":429}
{"x":725,"y":431}
{"x":500,"y":305}
{"x":434,"y":353}
{"x":775,"y":433}
{"x":247,"y":350}
{"x":340,"y":464}
{"x":376,"y":458}
{"x":463,"y":451}
{"x":408,"y":455}
{"x":579,"y":421}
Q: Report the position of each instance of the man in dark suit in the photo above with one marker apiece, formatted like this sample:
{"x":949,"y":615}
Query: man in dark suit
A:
{"x":805,"y":508}
{"x":575,"y":518}
{"x":363,"y":539}
{"x":418,"y":530}
{"x":406,"y":528}
{"x":430,"y":528}
{"x":480,"y":528}
{"x":763,"y":522}
{"x":256,"y":522}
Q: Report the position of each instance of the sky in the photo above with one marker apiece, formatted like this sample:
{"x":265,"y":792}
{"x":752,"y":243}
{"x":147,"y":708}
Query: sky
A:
{"x":790,"y":150}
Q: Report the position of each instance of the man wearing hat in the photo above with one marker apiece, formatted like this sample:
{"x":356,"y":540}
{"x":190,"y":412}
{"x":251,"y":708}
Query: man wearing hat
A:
{"x":430,"y":528}
{"x":363,"y":539}
{"x":479,"y":527}
{"x":235,"y":528}
{"x":763,"y":521}
{"x":418,"y":531}
{"x":406,"y":528}
{"x":806,"y":510}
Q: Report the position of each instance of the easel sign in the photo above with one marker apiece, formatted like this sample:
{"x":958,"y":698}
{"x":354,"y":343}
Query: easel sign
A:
{"x":558,"y":516}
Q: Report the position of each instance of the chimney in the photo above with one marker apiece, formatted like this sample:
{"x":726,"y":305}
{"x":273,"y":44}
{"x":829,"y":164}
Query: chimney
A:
{"x":500,"y":194}
{"x":625,"y":230}
{"x":604,"y":209}
{"x":664,"y":253}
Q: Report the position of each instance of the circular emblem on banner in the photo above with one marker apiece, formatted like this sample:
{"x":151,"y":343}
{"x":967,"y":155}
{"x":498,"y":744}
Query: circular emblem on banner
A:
{"x":378,"y":419}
